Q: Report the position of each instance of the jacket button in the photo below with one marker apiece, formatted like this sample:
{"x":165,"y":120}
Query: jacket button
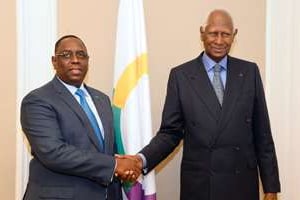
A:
{"x":237,"y":171}
{"x":248,"y":120}
{"x":237,"y":148}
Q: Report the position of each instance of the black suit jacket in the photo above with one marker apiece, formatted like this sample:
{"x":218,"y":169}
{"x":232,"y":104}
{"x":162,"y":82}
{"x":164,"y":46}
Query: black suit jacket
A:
{"x":67,"y":162}
{"x":223,"y":147}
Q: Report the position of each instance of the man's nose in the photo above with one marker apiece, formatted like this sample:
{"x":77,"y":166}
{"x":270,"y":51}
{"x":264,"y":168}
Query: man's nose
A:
{"x":74,"y":58}
{"x":219,"y":39}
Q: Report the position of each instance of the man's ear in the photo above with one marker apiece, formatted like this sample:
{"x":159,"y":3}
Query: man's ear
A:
{"x":202,"y":32}
{"x":235,"y":32}
{"x":53,"y":60}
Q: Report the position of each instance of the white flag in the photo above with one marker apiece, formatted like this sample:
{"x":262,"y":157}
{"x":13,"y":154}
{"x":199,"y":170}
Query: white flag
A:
{"x":131,"y":99}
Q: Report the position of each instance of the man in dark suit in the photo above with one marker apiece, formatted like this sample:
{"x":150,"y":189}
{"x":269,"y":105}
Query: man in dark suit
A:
{"x":73,"y":156}
{"x":221,"y":115}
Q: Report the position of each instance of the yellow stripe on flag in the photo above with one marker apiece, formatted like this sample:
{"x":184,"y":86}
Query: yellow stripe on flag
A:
{"x":132,"y":74}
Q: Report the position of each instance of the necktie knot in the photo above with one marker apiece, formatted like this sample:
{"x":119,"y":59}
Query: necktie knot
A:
{"x":79,"y":92}
{"x":217,"y":68}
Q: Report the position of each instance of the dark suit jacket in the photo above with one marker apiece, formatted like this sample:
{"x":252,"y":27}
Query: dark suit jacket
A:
{"x":66,"y":160}
{"x":222,"y":147}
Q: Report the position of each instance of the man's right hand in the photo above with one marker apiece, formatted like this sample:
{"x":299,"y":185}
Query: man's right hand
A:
{"x":129,"y":167}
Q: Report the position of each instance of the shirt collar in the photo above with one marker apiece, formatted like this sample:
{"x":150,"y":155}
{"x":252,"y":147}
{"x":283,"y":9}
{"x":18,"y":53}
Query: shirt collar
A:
{"x":72,"y":88}
{"x":210,"y":63}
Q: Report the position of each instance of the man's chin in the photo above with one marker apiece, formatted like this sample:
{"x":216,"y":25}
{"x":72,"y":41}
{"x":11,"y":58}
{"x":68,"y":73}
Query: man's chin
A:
{"x":220,"y":53}
{"x":76,"y":81}
{"x":217,"y":56}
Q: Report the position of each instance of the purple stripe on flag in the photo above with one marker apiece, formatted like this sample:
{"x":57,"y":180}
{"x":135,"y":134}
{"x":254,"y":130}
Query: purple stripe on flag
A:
{"x":150,"y":197}
{"x":136,"y":192}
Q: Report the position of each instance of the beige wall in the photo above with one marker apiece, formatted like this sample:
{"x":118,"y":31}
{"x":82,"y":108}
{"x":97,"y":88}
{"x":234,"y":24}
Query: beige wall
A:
{"x":8,"y":99}
{"x":173,"y":38}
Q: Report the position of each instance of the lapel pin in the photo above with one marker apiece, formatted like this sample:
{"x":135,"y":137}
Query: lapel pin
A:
{"x":241,"y":74}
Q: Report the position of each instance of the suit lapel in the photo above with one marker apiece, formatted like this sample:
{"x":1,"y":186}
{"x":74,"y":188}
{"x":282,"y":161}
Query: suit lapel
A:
{"x":69,"y":100}
{"x":234,"y":85}
{"x":100,"y":105}
{"x":203,"y":87}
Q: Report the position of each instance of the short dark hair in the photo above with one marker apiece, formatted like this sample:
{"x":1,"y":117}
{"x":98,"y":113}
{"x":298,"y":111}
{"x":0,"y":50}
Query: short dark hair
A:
{"x":57,"y":43}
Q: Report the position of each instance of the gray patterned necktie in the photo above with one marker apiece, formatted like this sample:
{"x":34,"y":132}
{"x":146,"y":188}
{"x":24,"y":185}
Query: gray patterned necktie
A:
{"x":217,"y":83}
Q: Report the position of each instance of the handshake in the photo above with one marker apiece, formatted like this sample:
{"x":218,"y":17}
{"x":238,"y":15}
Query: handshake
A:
{"x":128,"y":167}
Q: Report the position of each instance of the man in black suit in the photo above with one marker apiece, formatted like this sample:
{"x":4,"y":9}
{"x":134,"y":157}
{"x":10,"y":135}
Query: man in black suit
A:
{"x":216,"y":104}
{"x":73,"y":156}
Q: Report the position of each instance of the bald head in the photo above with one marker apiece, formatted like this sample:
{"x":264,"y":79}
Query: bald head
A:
{"x":220,"y":17}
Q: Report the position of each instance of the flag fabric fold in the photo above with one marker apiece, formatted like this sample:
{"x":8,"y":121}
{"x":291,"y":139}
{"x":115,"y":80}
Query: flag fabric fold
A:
{"x":131,"y":96}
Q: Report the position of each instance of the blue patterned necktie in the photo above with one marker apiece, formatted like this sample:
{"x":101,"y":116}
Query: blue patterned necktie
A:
{"x":217,"y":83}
{"x":91,"y":117}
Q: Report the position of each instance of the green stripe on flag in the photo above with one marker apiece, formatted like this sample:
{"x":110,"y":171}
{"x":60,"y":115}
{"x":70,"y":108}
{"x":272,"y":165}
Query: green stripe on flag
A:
{"x":117,"y":126}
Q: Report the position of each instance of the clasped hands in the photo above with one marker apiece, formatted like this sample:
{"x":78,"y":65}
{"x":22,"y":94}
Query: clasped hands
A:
{"x":129,"y":167}
{"x":270,"y":196}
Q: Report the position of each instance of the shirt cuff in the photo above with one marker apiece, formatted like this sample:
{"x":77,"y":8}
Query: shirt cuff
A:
{"x":144,"y":161}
